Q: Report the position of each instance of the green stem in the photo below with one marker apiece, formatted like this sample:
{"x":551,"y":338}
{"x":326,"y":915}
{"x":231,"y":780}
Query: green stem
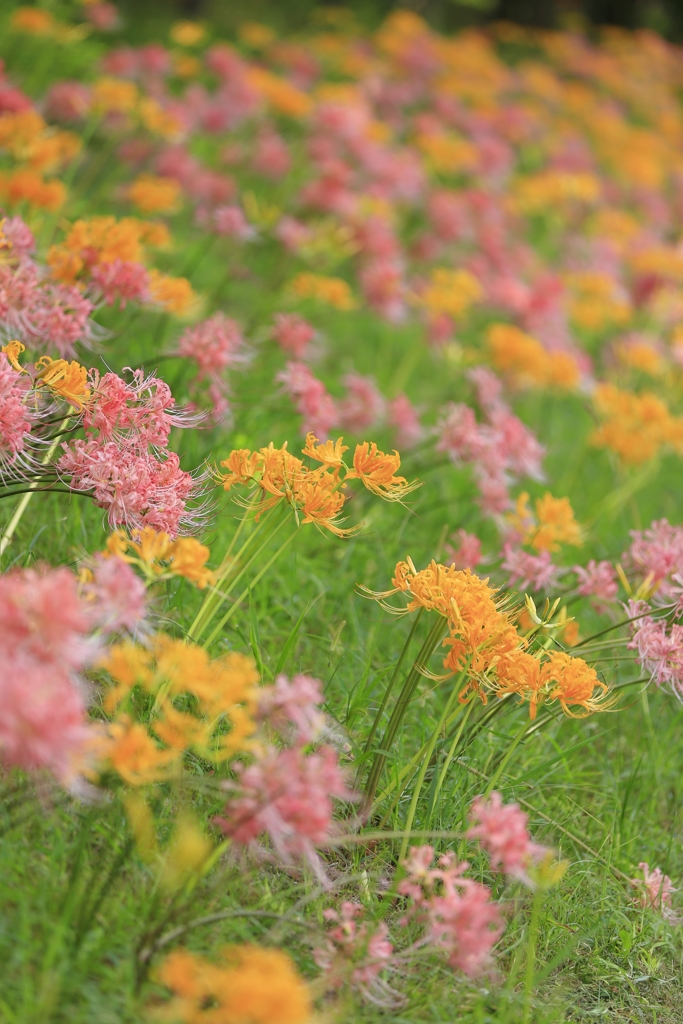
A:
{"x":506,"y":759}
{"x":423,"y":771}
{"x":238,"y":601}
{"x":389,"y":689}
{"x":23,"y":504}
{"x":453,"y":747}
{"x":218,"y":593}
{"x":530,"y":969}
{"x":428,"y":647}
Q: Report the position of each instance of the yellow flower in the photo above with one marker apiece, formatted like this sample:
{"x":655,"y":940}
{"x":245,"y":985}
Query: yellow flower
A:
{"x":523,"y":357}
{"x":159,"y":554}
{"x":333,"y":291}
{"x":157,"y":120}
{"x":376,"y":471}
{"x":552,"y":525}
{"x":27,"y":186}
{"x":552,"y":190}
{"x":450,"y":291}
{"x":330,"y":453}
{"x":574,"y":684}
{"x":281,"y":95}
{"x":33,"y":21}
{"x":635,"y":426}
{"x":596,"y":301}
{"x":174,"y":294}
{"x":150,"y":545}
{"x":188,"y":558}
{"x":247,"y":984}
{"x":447,"y":153}
{"x":152,"y":194}
{"x":190,"y":850}
{"x":255,"y":34}
{"x":129,"y":750}
{"x":556,"y":524}
{"x":13,"y":349}
{"x":185,"y":65}
{"x":128,"y":664}
{"x":142,"y":826}
{"x":68,"y":380}
{"x":187,"y":33}
{"x":114,"y":95}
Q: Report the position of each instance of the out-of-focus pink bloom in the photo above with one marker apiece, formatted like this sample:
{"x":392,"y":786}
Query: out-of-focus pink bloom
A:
{"x":292,"y":233}
{"x":294,"y":708}
{"x":231,"y":222}
{"x":659,"y":653}
{"x":655,"y":889}
{"x":135,"y":151}
{"x":61,"y":319}
{"x":377,"y":239}
{"x":355,"y":954}
{"x":502,"y":831}
{"x":216,"y":345}
{"x":514,"y":444}
{"x":122,"y":62}
{"x":19,"y":235}
{"x":15,"y":417}
{"x":12,"y":100}
{"x":489,"y":389}
{"x":449,"y":215}
{"x":177,"y":162}
{"x":44,"y":645}
{"x":154,"y":59}
{"x":460,"y":436}
{"x":312,"y":400}
{"x":363,"y":406}
{"x":657,"y":552}
{"x":67,"y":102}
{"x":287,"y":794}
{"x":117,"y":597}
{"x":383,"y":287}
{"x":102,"y":16}
{"x":529,"y":572}
{"x":467,"y":555}
{"x":122,"y":281}
{"x":293,"y":333}
{"x":440,"y":329}
{"x":135,"y":488}
{"x":402,"y":416}
{"x":598,"y":580}
{"x":494,"y":496}
{"x":457,"y":912}
{"x":271,"y":155}
{"x":19,"y":295}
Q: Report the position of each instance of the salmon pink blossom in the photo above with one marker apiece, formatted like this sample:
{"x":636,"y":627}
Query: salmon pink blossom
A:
{"x":502,"y":831}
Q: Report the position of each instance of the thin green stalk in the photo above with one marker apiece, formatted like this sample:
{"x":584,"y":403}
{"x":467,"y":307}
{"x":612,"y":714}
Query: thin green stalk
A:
{"x":231,"y":611}
{"x":23,"y":504}
{"x":532,"y":939}
{"x":228,"y":563}
{"x":506,"y":759}
{"x":423,"y":771}
{"x":412,"y":679}
{"x":406,"y":771}
{"x":218,"y":594}
{"x":453,"y":747}
{"x":389,"y":689}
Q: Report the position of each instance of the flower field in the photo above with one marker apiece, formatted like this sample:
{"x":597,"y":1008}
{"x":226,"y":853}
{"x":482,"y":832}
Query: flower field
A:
{"x":341,"y":548}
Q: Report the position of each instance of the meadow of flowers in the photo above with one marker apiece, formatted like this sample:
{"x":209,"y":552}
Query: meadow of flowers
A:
{"x":341,"y":548}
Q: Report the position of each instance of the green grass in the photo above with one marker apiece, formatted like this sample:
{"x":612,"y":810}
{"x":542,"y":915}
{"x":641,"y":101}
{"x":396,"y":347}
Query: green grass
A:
{"x":78,"y":904}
